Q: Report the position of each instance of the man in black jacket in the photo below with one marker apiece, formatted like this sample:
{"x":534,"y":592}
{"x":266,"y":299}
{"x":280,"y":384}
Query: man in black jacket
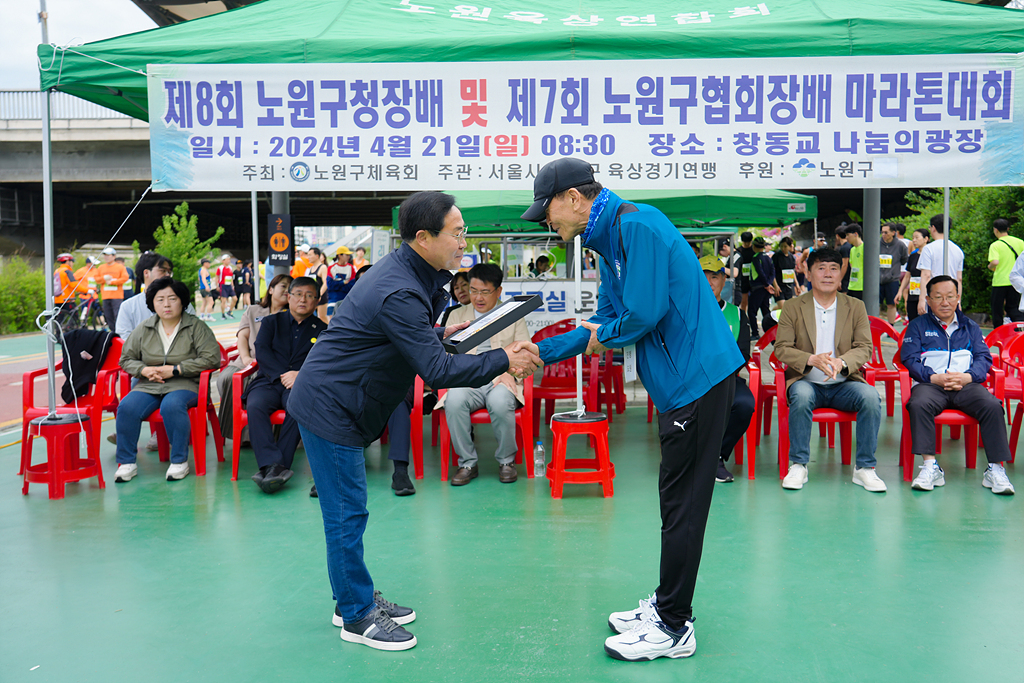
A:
{"x":282,"y":345}
{"x":360,"y":369}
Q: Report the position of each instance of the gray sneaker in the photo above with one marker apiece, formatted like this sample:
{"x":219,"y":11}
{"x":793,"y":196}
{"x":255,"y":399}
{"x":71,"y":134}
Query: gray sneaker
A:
{"x":401,"y":615}
{"x":379,"y":631}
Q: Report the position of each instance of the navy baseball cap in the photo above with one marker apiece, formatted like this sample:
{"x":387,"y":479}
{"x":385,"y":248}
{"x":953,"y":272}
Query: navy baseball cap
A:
{"x":557,"y":176}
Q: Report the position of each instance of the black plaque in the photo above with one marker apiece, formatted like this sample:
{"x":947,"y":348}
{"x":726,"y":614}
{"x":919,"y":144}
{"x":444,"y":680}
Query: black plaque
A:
{"x":493,"y":322}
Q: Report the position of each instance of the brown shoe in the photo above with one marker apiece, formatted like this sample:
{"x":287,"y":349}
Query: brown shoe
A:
{"x":507,"y":473}
{"x":464,"y":475}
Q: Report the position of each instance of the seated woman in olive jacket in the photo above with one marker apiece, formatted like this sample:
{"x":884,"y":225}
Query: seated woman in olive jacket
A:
{"x":167,"y":353}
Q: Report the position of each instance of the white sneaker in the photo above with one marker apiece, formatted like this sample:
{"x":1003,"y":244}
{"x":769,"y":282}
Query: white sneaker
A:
{"x":866,"y":477}
{"x":995,"y":478}
{"x":796,"y":477}
{"x":931,"y":475}
{"x":177,"y":470}
{"x":652,"y":639}
{"x":126,"y":472}
{"x":621,"y":622}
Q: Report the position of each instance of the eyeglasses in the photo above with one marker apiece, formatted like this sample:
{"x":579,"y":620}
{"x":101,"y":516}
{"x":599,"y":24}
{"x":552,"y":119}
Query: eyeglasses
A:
{"x":939,"y":299}
{"x":459,"y":236}
{"x":480,"y":292}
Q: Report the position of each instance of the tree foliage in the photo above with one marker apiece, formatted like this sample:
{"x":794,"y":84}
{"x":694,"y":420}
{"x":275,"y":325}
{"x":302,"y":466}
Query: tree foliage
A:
{"x":178,"y":239}
{"x":22,"y":295}
{"x":972,"y":211}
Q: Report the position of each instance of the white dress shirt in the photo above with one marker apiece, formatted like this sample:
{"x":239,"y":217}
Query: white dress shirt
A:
{"x":825,"y":340}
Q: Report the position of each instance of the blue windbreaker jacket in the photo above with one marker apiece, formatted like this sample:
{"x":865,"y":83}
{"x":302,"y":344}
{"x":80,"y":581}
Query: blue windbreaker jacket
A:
{"x":926,"y":349}
{"x":655,"y":295}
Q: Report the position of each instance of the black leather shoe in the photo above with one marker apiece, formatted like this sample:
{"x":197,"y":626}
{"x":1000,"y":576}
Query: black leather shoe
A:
{"x":260,"y":474}
{"x":507,"y":473}
{"x":464,"y":475}
{"x":275,"y":478}
{"x":313,"y":493}
{"x":401,"y":483}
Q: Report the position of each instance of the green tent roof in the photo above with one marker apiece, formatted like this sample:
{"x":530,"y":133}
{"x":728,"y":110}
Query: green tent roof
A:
{"x":711,"y":212}
{"x":110,"y":72}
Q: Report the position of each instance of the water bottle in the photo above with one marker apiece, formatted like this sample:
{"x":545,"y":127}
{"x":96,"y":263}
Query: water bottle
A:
{"x":539,"y":464}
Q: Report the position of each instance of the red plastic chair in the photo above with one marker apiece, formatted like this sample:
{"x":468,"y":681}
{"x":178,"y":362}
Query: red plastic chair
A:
{"x":766,"y":392}
{"x":1000,"y":339}
{"x":1013,"y":363}
{"x":416,"y":427}
{"x":876,"y":369}
{"x":204,"y":412}
{"x":954,"y":418}
{"x":820,"y":415}
{"x":559,"y":379}
{"x":751,"y":435}
{"x":524,"y":431}
{"x":240,"y":416}
{"x":102,"y":397}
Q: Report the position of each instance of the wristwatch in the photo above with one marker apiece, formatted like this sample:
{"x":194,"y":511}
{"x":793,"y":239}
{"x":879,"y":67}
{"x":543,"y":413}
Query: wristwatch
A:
{"x":175,"y":371}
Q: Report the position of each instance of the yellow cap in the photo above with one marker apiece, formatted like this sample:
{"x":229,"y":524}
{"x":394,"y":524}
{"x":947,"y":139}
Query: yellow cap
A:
{"x":712,"y":263}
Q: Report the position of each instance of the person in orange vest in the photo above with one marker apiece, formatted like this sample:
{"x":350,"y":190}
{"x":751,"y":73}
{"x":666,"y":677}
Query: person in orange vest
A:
{"x":86,"y":279}
{"x":64,"y":282}
{"x":111,"y":275}
{"x":360,"y":259}
{"x":301,"y":261}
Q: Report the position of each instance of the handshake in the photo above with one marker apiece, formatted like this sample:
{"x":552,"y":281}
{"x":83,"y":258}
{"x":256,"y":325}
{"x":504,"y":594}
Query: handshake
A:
{"x":523,"y":359}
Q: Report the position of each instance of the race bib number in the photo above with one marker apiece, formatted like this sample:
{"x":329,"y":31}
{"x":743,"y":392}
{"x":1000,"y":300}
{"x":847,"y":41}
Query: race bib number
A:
{"x":885,"y":260}
{"x":746,"y":269}
{"x":788,"y":277}
{"x":915,"y":286}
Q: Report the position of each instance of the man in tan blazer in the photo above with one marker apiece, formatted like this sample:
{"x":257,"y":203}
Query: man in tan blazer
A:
{"x":824,"y":338}
{"x":500,"y":397}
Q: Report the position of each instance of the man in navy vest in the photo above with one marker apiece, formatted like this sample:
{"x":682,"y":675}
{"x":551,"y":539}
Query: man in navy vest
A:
{"x":654,"y":295}
{"x":360,"y":369}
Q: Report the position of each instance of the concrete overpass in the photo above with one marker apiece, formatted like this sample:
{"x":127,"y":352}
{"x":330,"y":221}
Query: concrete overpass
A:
{"x":101,"y":168}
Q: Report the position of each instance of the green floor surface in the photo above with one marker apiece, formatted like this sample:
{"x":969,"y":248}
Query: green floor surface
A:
{"x":209,"y":580}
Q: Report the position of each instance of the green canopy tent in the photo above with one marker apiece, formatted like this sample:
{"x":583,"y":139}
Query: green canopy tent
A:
{"x":111,"y":72}
{"x":709,"y":213}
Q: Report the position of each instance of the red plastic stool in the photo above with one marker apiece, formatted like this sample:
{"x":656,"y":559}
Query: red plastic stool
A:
{"x":602,"y":470}
{"x":62,"y":462}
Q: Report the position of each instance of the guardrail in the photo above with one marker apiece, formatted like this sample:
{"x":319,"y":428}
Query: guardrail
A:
{"x":28,"y":104}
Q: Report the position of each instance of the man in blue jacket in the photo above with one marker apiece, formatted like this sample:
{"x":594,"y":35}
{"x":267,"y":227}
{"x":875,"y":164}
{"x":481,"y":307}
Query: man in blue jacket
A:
{"x":947,"y":356}
{"x":653,"y":294}
{"x":359,"y":370}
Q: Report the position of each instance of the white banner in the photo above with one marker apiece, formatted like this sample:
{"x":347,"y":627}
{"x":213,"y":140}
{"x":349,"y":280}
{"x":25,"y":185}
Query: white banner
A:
{"x":559,"y":300}
{"x":794,"y":123}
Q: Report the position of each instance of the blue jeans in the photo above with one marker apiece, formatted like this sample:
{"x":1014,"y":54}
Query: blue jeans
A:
{"x":137,"y":406}
{"x":849,"y":396}
{"x":340,"y":476}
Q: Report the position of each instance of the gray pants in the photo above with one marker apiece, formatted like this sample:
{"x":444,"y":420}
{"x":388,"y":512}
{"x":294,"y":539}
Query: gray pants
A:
{"x":501,"y":405}
{"x":224,"y":387}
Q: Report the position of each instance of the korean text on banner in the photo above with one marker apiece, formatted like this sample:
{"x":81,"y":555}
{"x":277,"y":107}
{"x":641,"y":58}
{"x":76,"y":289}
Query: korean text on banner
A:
{"x":794,"y":123}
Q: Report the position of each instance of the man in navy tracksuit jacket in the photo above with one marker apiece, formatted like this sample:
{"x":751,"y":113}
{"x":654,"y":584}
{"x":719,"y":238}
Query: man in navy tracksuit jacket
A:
{"x":381,"y":336}
{"x":945,"y":352}
{"x":653,"y":294}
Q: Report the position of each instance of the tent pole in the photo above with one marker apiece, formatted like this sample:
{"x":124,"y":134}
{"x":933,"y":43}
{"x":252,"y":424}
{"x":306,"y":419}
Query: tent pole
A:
{"x":578,"y":281}
{"x":279,"y":204}
{"x":51,"y":364}
{"x":945,"y":231}
{"x":872,"y":239}
{"x":255,"y":251}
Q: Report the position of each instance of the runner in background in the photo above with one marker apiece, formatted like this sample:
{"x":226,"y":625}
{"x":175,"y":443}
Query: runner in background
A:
{"x":111,"y":275}
{"x":206,"y":291}
{"x":225,"y":282}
